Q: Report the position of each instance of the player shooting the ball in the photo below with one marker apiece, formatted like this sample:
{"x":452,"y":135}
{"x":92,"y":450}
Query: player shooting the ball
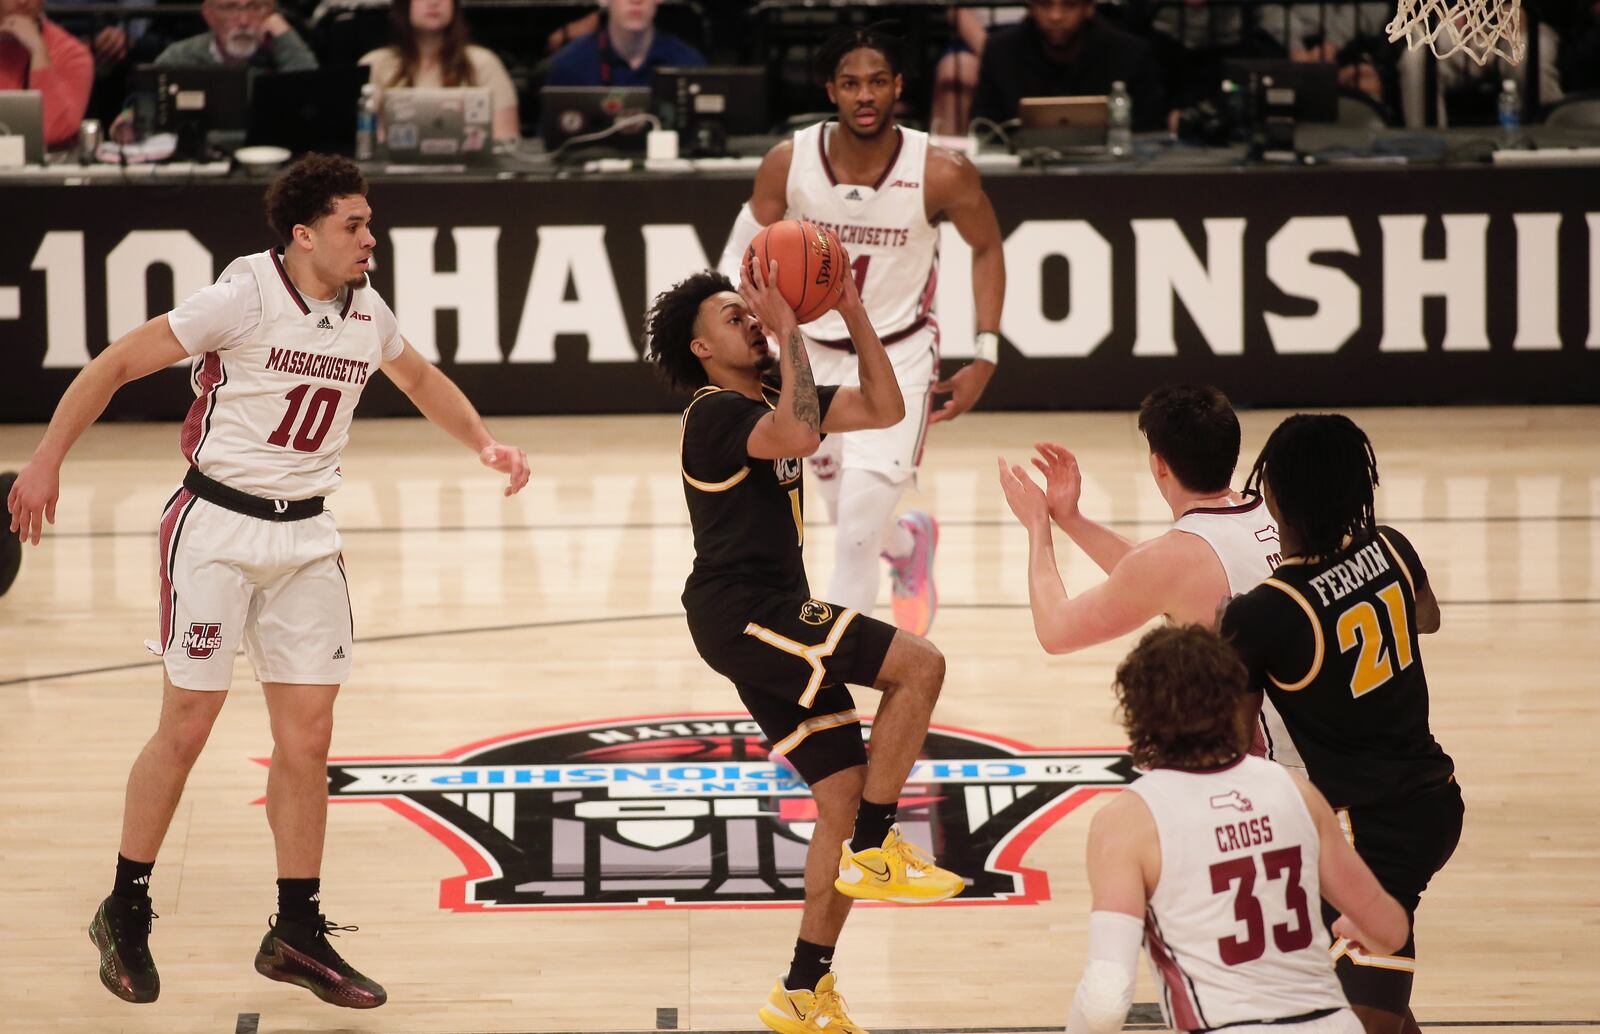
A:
{"x":753,"y":619}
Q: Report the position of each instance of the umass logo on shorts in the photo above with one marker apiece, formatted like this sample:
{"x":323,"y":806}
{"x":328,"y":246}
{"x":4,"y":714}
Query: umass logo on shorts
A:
{"x":202,"y":640}
{"x":689,"y":811}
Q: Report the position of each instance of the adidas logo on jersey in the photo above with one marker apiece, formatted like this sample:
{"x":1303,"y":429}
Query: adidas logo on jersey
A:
{"x":338,"y":654}
{"x":325,"y":324}
{"x":854,"y":195}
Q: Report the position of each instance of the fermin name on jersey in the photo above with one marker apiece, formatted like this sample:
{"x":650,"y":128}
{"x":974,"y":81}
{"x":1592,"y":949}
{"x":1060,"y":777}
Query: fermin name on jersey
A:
{"x":325,"y":367}
{"x":876,"y":236}
{"x":1347,"y":576}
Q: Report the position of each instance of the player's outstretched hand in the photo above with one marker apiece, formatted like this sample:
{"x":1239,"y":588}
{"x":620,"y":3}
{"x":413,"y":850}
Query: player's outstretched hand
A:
{"x":762,"y":297}
{"x":1025,"y":497}
{"x":1063,"y":483}
{"x":32,"y":500}
{"x":510,"y":460}
{"x":965,"y":387}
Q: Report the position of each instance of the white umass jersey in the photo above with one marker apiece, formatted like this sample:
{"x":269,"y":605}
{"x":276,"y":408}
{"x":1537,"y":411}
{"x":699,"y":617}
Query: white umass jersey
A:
{"x":894,"y":250}
{"x":1246,"y":542}
{"x":1234,"y":928}
{"x":277,"y":376}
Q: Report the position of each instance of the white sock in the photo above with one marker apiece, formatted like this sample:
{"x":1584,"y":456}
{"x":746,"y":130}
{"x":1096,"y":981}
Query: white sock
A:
{"x":899,"y":542}
{"x":866,"y":510}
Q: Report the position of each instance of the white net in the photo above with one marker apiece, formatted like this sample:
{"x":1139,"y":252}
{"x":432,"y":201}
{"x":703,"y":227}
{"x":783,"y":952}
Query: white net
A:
{"x":1481,"y":28}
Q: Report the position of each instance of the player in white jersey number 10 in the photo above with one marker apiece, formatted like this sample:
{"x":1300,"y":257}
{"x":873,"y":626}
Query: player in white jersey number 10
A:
{"x":280,"y":347}
{"x":882,"y":189}
{"x":1216,"y":862}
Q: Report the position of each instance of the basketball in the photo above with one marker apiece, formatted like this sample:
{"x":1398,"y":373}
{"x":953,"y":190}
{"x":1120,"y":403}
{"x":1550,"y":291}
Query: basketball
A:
{"x":811,"y":262}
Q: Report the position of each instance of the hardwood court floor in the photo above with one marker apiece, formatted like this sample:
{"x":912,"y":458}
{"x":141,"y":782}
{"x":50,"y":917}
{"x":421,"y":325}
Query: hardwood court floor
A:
{"x":477,"y":617}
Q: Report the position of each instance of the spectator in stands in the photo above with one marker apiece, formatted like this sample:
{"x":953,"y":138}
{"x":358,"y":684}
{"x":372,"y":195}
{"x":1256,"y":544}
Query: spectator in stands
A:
{"x":1061,"y":49}
{"x":430,"y":48}
{"x":38,"y":54}
{"x":242,"y":32}
{"x":1353,"y":36}
{"x":625,"y":51}
{"x":955,"y":77}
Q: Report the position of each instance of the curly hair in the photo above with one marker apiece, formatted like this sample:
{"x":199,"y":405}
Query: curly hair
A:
{"x":873,"y":37}
{"x":307,"y":190}
{"x":1185,"y":699}
{"x":1322,"y":472}
{"x":669,"y":327}
{"x":1194,"y":429}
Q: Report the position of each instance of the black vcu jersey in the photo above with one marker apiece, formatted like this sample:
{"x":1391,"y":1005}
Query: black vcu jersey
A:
{"x":1334,"y":644}
{"x":749,"y":606}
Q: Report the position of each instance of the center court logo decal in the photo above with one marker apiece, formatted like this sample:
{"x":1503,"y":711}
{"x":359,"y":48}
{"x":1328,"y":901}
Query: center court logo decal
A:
{"x":689,"y":811}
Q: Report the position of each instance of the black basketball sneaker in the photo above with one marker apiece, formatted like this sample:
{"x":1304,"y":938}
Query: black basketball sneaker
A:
{"x":298,"y":952}
{"x":121,"y":930}
{"x":10,"y":545}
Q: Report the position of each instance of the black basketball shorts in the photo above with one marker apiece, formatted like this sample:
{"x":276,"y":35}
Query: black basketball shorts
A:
{"x":790,"y":657}
{"x":1403,"y":844}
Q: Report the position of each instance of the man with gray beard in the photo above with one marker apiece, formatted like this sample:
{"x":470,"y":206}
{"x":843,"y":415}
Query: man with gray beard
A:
{"x":242,"y":32}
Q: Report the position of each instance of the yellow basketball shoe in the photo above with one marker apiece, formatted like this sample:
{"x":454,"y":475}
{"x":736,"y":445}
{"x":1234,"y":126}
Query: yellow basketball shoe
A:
{"x":898,"y":871}
{"x":808,"y":1012}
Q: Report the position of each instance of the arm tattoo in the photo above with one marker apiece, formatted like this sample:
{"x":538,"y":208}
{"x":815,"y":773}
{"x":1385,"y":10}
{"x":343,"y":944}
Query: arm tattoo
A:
{"x":806,"y":409}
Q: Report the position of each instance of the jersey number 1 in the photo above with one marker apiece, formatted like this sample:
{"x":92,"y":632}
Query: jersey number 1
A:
{"x":314,"y":428}
{"x":1282,"y":863}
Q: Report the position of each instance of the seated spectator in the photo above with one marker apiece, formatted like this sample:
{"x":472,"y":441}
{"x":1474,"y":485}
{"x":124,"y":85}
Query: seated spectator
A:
{"x":37,"y":54}
{"x":430,"y":48}
{"x":1353,"y":36}
{"x":242,"y":32}
{"x":625,"y":51}
{"x":956,"y":74}
{"x":1062,"y":49}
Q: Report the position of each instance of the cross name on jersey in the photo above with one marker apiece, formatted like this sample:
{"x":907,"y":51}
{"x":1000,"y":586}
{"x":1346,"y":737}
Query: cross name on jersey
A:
{"x":879,"y":236}
{"x":1347,"y":576}
{"x":1246,"y":833}
{"x":324,"y":367}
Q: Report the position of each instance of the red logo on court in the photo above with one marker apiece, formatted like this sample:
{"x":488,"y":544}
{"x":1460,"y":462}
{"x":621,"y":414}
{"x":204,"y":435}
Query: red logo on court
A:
{"x":202,"y":640}
{"x":691,"y":811}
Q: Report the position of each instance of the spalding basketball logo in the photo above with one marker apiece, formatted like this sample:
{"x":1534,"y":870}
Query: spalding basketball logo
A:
{"x":815,"y":612}
{"x":689,"y":811}
{"x":202,"y":640}
{"x":820,"y":247}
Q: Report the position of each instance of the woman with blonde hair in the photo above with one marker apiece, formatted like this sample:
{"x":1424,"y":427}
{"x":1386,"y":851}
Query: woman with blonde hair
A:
{"x":431,"y":49}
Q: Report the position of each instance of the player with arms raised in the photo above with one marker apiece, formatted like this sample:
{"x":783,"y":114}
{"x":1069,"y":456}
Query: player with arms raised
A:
{"x":882,"y":189}
{"x":280,"y":348}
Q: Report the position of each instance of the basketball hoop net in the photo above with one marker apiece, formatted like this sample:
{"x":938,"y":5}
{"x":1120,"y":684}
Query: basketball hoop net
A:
{"x":1481,"y":28}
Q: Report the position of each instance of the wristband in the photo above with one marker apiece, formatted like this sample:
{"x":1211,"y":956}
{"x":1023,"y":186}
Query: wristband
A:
{"x":986,"y":347}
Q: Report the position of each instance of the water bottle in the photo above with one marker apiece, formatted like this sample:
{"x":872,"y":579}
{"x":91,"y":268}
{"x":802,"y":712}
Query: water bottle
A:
{"x":1120,"y":136}
{"x":367,"y":123}
{"x":1510,"y":114}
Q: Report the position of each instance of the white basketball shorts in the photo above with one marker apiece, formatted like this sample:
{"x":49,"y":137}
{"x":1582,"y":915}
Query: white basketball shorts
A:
{"x":276,"y":588}
{"x":895,"y":452}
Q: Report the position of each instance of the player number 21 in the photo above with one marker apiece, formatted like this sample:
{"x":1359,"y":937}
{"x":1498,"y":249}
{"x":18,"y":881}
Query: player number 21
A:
{"x":318,"y":418}
{"x":1360,"y":626}
{"x":1284,"y":863}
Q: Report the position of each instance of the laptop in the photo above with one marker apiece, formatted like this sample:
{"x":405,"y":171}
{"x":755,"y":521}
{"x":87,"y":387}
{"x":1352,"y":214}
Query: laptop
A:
{"x":438,"y":125}
{"x":307,"y":111}
{"x":1071,"y":125}
{"x":203,"y":105}
{"x":22,"y":114}
{"x":567,"y":112}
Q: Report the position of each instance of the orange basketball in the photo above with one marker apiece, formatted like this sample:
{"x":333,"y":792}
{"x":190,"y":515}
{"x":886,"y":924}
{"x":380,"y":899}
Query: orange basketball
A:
{"x":811,"y":262}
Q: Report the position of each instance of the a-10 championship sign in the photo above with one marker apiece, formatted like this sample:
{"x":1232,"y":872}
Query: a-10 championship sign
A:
{"x":690,"y":811}
{"x":1329,"y":286}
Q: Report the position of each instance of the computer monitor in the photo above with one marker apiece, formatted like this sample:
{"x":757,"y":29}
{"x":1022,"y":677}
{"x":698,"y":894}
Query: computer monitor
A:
{"x":307,"y":111}
{"x":22,"y":114}
{"x":195,"y":102}
{"x":567,"y":112}
{"x":1315,"y":85}
{"x":708,"y":104}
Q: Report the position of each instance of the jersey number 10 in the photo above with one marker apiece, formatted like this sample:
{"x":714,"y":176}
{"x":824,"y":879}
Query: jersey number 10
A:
{"x":314,"y":428}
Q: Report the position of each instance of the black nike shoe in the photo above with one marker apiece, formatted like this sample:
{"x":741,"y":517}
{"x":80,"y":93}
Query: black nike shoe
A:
{"x":10,"y":545}
{"x":298,"y":952}
{"x":121,"y":930}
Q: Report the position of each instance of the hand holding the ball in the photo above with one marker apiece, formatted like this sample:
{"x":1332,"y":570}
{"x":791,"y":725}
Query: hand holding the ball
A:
{"x":759,"y":289}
